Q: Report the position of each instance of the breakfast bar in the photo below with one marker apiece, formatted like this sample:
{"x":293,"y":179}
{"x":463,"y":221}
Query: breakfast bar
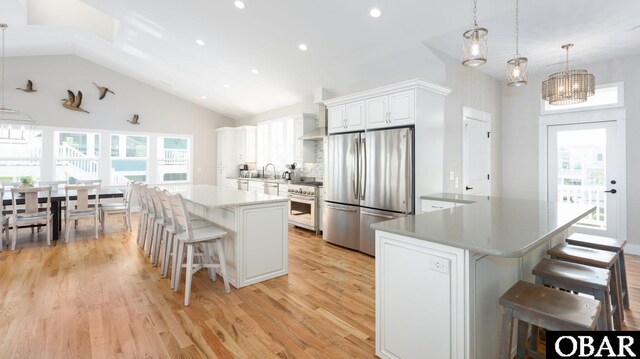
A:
{"x":256,"y":245}
{"x":439,"y":274}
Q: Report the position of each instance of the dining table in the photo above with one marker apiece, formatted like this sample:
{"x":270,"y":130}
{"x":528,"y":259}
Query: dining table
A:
{"x":58,"y":197}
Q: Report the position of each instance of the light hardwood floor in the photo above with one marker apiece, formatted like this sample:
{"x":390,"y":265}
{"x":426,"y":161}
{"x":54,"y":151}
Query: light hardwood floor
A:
{"x":102,"y":299}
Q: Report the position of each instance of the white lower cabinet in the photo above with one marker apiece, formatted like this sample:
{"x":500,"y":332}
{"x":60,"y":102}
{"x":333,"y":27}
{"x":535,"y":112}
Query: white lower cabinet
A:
{"x":443,"y":300}
{"x":231,"y":183}
{"x":419,"y":297}
{"x":428,"y":205}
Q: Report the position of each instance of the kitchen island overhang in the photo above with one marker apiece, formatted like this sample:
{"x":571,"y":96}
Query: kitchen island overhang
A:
{"x":439,"y":274}
{"x":256,"y":245}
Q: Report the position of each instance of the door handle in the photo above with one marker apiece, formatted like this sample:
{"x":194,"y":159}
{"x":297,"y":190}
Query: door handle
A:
{"x":613,"y":191}
{"x":468,"y":188}
{"x":340,"y":208}
{"x":355,"y":165}
{"x":377,"y":215}
{"x":363,"y":185}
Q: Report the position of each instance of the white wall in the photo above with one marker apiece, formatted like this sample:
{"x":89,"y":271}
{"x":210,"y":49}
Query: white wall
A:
{"x":159,"y":112}
{"x":520,"y":110}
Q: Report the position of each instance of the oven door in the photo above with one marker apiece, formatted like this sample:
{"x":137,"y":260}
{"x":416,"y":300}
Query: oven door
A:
{"x":302,"y":211}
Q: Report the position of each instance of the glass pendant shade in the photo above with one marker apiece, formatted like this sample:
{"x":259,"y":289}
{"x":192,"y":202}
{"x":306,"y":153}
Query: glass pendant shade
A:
{"x":568,"y":87}
{"x":517,"y":71}
{"x":474,"y":47}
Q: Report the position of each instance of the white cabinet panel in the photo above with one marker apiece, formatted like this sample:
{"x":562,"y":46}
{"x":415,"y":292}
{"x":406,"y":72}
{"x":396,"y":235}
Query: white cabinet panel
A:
{"x":427,"y":205}
{"x":336,"y":119}
{"x":354,"y":113}
{"x":402,"y":108}
{"x":419,"y":296}
{"x":246,"y":143}
{"x":377,"y":112}
{"x":346,"y":118}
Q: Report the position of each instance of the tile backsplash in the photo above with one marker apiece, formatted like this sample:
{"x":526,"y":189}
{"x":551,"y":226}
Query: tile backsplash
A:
{"x":315,"y":169}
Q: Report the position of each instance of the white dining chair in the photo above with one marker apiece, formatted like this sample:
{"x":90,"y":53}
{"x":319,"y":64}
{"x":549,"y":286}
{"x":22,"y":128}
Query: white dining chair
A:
{"x":4,"y":221}
{"x":32,"y":213}
{"x":55,"y":185}
{"x":158,"y":225}
{"x":139,"y":190}
{"x":88,"y":181}
{"x":84,"y":207}
{"x":123,"y":208}
{"x":210,"y":238}
{"x":150,"y":233}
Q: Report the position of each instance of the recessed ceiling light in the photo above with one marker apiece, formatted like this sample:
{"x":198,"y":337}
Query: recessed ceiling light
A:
{"x":204,"y":97}
{"x":200,"y":42}
{"x":226,"y":86}
{"x":239,"y":4}
{"x":255,"y":72}
{"x":303,"y":47}
{"x":375,"y":12}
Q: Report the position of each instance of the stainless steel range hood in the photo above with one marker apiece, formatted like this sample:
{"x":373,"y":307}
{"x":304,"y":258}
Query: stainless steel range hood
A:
{"x":320,"y":132}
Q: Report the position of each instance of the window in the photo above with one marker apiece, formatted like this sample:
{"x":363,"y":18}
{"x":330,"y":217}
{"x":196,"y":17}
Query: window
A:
{"x":20,"y":158}
{"x":77,"y":155}
{"x":606,"y":96}
{"x":129,"y":157}
{"x":174,"y":155}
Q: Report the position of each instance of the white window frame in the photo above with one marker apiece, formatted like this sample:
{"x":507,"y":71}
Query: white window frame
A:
{"x":122,"y":147}
{"x":585,"y":106}
{"x":55,"y":133}
{"x":189,"y":157}
{"x":48,"y":160}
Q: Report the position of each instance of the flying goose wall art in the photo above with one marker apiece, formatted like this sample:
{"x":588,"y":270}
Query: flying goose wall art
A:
{"x":73,"y":102}
{"x":29,"y":87}
{"x":134,"y":120}
{"x":103,"y":91}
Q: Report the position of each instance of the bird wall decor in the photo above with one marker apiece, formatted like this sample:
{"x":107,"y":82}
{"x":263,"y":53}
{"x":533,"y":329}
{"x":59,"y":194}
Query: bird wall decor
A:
{"x":73,"y":102}
{"x":29,"y":87}
{"x":134,"y":120}
{"x":103,"y":91}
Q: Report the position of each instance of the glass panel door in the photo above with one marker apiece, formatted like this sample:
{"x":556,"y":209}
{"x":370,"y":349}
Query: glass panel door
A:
{"x":582,"y":169}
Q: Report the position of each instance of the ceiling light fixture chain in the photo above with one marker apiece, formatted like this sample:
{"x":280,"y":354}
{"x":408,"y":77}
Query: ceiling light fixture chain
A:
{"x":4,"y":27}
{"x":475,"y":13}
{"x":517,"y":28}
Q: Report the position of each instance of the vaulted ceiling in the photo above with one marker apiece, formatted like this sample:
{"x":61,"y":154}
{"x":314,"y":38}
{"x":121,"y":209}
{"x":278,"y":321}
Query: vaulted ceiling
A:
{"x":154,"y":41}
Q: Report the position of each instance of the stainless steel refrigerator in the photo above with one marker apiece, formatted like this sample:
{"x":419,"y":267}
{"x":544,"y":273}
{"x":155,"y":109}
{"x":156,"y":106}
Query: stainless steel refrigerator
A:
{"x":369,"y":179}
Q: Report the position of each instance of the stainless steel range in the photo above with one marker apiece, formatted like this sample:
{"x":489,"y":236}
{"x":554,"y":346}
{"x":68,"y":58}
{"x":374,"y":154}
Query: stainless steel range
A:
{"x":304,"y":205}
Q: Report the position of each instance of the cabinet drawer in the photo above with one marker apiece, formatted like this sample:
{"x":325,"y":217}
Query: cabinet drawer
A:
{"x":427,"y":205}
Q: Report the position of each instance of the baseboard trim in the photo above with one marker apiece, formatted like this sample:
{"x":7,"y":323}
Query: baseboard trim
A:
{"x":632,"y":249}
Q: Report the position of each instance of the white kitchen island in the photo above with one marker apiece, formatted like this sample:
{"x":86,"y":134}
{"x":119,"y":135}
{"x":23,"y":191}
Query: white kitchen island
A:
{"x":256,"y":246}
{"x":439,"y":274}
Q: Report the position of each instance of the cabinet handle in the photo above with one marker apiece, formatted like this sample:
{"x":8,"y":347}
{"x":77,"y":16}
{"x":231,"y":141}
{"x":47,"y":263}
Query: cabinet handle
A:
{"x":346,"y":120}
{"x":388,"y":117}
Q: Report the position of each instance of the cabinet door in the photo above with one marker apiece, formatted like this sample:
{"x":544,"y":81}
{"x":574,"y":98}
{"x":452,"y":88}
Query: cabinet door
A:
{"x":221,"y":144}
{"x":336,"y":119}
{"x":241,"y":143}
{"x":377,"y":112}
{"x":401,"y":108}
{"x":354,"y":113}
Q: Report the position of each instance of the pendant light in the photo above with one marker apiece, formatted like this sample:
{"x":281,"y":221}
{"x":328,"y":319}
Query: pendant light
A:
{"x":15,"y":126}
{"x":474,"y":42}
{"x":568,"y":86}
{"x":517,"y":66}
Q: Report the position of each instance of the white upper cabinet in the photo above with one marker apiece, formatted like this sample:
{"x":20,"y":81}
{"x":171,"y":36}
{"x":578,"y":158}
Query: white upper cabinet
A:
{"x":226,"y":149}
{"x":346,"y":118}
{"x":336,"y":119}
{"x":246,"y":144}
{"x":377,"y":112}
{"x":402,"y":108}
{"x":397,"y":109}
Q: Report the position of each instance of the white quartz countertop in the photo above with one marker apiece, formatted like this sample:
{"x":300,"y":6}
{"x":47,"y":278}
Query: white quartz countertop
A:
{"x":215,"y":196}
{"x":504,"y":227}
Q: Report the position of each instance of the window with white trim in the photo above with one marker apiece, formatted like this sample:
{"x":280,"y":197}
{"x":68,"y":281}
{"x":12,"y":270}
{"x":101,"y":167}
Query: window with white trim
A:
{"x":20,"y":157}
{"x":77,"y":155}
{"x":174,"y":159}
{"x":605,"y":96}
{"x":129,"y":158}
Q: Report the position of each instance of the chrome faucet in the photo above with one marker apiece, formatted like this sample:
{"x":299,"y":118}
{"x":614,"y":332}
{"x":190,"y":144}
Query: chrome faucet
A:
{"x":264,"y":173}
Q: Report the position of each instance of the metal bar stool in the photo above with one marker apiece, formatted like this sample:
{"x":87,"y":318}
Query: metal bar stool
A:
{"x":600,"y":259}
{"x":606,"y":244}
{"x":543,"y":307}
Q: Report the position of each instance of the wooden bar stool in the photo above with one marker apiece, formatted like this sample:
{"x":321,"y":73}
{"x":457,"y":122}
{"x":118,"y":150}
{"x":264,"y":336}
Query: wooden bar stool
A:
{"x":578,"y":278}
{"x":606,"y":244}
{"x":543,"y":307}
{"x":600,"y":259}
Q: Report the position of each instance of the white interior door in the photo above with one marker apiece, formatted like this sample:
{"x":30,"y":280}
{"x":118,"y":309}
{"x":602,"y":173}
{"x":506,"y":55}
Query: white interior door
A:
{"x":476,"y":151}
{"x":582,"y":168}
